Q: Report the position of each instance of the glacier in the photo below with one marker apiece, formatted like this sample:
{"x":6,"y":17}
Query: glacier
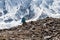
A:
{"x":12,"y":11}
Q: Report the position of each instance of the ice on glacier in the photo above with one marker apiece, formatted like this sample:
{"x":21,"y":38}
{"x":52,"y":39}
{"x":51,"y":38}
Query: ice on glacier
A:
{"x":0,"y":13}
{"x":43,"y":15}
{"x":8,"y":20}
{"x":12,"y":11}
{"x":5,"y":12}
{"x":49,"y":2}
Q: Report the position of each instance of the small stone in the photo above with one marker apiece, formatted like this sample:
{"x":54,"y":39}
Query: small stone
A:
{"x":33,"y":28}
{"x":47,"y":37}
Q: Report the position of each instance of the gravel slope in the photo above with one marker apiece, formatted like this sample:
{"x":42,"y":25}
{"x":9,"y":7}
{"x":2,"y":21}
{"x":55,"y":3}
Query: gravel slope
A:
{"x":44,"y":29}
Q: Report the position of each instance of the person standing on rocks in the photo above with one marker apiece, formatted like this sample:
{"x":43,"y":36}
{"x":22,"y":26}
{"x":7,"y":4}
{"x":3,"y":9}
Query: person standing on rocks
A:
{"x":23,"y":21}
